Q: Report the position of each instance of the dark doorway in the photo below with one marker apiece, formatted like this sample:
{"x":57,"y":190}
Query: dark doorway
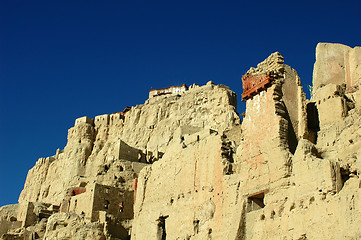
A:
{"x":313,"y":122}
{"x":162,"y":234}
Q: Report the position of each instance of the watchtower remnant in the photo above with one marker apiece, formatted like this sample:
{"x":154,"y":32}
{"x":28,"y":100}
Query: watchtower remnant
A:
{"x":262,"y":77}
{"x":275,"y":106}
{"x":253,"y":84}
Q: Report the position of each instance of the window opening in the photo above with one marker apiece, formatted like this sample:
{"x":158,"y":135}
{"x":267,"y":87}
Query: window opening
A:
{"x":106,"y":205}
{"x":255,"y":202}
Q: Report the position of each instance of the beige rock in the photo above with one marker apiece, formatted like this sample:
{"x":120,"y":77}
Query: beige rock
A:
{"x":71,"y":226}
{"x":337,"y":64}
{"x":112,"y":149}
{"x":189,"y":204}
{"x":276,"y":193}
{"x":8,"y":218}
{"x":182,"y":166}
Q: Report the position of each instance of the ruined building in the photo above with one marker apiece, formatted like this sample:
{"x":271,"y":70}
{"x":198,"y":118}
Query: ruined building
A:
{"x":169,"y":90}
{"x":184,"y":166}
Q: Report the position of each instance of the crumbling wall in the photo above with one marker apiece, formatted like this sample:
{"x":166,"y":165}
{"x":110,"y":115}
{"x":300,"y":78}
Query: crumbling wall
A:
{"x":290,"y":171}
{"x":112,"y":149}
{"x":336,"y":95}
{"x":272,"y":126}
{"x":337,"y":64}
{"x":8,"y":218}
{"x":323,"y":183}
{"x":150,"y":126}
{"x":48,"y":179}
{"x":82,"y":204}
{"x":336,"y":83}
{"x":263,"y":160}
{"x":113,"y":201}
{"x":72,"y":226}
{"x":182,"y":194}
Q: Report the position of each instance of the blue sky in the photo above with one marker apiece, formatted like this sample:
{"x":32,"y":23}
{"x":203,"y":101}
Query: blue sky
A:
{"x":60,"y":60}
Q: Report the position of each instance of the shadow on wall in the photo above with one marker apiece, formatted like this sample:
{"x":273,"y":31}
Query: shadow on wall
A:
{"x":162,"y":234}
{"x":313,"y":122}
{"x":291,"y":137}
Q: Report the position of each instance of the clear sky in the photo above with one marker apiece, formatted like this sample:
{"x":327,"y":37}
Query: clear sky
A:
{"x":60,"y":60}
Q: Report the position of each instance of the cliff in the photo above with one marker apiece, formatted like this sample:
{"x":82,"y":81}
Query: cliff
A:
{"x":184,"y":166}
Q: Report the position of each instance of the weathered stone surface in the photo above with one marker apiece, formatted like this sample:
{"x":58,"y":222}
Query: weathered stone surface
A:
{"x":337,"y":64}
{"x":72,"y":226}
{"x":183,"y":166}
{"x":276,"y":115}
{"x":190,"y":177}
{"x":112,"y":149}
{"x":8,"y":218}
{"x":95,"y":153}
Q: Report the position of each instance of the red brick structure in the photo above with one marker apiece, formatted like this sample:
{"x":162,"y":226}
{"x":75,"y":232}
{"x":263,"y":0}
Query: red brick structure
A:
{"x":253,"y":84}
{"x":76,"y":191}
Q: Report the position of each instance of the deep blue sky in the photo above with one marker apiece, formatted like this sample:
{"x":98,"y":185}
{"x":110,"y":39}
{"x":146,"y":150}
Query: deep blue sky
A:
{"x":60,"y":60}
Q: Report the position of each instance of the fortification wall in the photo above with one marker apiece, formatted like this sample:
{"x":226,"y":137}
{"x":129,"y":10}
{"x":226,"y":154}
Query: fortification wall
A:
{"x":272,"y":126}
{"x":212,"y":177}
{"x":337,"y":64}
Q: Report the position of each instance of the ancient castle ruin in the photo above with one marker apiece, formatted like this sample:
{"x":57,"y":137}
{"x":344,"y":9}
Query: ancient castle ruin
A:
{"x":184,"y":166}
{"x":168,"y":90}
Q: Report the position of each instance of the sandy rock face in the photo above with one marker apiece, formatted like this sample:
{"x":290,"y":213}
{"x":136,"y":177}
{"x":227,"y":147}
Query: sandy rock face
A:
{"x":112,"y":149}
{"x":276,"y":115}
{"x":189,"y":194}
{"x":337,"y":64}
{"x":8,"y":218}
{"x":151,"y":126}
{"x":96,"y":153}
{"x":283,"y":183}
{"x":183,"y":166}
{"x":71,"y":226}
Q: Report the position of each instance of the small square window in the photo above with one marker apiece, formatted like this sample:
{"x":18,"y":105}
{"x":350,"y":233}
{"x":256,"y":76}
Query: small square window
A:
{"x":255,"y":202}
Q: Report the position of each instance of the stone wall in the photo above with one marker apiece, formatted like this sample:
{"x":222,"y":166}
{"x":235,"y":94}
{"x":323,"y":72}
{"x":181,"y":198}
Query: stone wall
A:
{"x":272,"y":126}
{"x":111,"y":151}
{"x":290,"y":171}
{"x":113,"y":201}
{"x":337,"y":64}
{"x":190,"y":202}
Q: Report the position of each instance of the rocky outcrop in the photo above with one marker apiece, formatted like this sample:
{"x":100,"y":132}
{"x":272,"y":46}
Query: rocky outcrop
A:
{"x":282,"y":185}
{"x":183,"y":166}
{"x":112,"y":149}
{"x":72,"y":226}
{"x":8,"y":218}
{"x":276,"y":114}
{"x":181,"y":195}
{"x":337,"y":64}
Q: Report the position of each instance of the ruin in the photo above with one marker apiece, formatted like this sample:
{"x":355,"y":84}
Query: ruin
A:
{"x":184,"y":166}
{"x":99,"y":198}
{"x":253,"y":84}
{"x":168,"y":90}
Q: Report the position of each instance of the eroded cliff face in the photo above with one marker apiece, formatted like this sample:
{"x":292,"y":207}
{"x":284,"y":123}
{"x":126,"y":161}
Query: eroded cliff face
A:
{"x":183,"y":166}
{"x":97,"y":152}
{"x":112,"y":149}
{"x":294,"y":171}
